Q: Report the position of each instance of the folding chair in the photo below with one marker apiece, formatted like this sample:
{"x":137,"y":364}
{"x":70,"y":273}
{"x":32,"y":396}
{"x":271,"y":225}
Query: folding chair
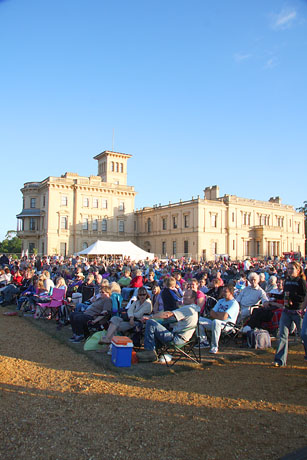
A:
{"x":189,"y":349}
{"x":87,"y":293}
{"x":273,"y":325}
{"x":50,"y":309}
{"x":231,"y":331}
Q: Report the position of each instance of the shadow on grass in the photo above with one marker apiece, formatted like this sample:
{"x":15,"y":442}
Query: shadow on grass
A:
{"x":237,"y":427}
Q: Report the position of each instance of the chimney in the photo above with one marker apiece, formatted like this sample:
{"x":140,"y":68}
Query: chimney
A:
{"x":212,"y":193}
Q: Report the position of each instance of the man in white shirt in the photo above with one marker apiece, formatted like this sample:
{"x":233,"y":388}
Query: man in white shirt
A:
{"x":251,"y":296}
{"x":225,"y":311}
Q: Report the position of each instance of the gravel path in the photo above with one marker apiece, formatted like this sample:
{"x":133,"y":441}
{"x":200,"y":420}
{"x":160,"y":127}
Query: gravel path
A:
{"x":59,"y":404}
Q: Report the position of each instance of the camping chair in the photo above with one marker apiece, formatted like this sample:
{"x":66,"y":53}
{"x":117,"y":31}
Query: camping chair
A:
{"x":87,"y":293}
{"x":189,"y":349}
{"x":50,"y":309}
{"x":231,"y":332}
{"x":273,"y":325}
{"x":208,"y":305}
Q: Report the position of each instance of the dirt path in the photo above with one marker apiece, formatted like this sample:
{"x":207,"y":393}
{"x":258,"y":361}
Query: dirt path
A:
{"x":57,"y":404}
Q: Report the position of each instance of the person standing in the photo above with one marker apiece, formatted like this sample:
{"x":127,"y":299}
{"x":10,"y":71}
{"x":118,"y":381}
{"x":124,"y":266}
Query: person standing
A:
{"x":294,"y":295}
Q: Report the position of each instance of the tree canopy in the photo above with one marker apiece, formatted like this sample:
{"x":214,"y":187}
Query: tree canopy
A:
{"x":11,"y":243}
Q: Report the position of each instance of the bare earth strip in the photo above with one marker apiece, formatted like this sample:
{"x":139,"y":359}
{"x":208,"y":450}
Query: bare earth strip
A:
{"x":59,"y":404}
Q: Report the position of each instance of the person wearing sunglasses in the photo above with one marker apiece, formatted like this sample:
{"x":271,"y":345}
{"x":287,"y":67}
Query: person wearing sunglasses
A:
{"x":140,"y":307}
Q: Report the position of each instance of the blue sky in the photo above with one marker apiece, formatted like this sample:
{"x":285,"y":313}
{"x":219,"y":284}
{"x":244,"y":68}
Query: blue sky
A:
{"x":200,"y":92}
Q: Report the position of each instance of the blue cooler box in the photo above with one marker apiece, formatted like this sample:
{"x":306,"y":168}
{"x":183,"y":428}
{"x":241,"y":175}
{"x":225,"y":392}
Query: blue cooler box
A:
{"x":121,"y":351}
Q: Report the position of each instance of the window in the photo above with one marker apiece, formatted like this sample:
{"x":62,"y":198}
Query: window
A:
{"x":105,"y":204}
{"x":233,"y":217}
{"x":44,"y":204}
{"x":32,"y":224}
{"x":31,"y":248}
{"x":121,"y":226}
{"x":174,"y":248}
{"x":121,"y":168}
{"x":174,"y":221}
{"x":258,"y":248}
{"x":84,"y":245}
{"x":64,"y":200}
{"x":186,"y":221}
{"x":297,"y":227}
{"x":121,"y":206}
{"x":233,"y":245}
{"x":112,"y":166}
{"x":86,"y":202}
{"x":33,"y":203}
{"x":185,"y":246}
{"x":289,"y":223}
{"x":23,"y":203}
{"x":214,"y":248}
{"x":117,"y":167}
{"x":246,"y":218}
{"x":95,"y":225}
{"x":279,"y":221}
{"x":163,"y":247}
{"x":149,"y":225}
{"x":63,"y":222}
{"x":85,"y":224}
{"x":264,"y":220}
{"x":214,"y":220}
{"x":104,"y":225}
{"x":164,"y":223}
{"x":63,"y":249}
{"x":95,"y":202}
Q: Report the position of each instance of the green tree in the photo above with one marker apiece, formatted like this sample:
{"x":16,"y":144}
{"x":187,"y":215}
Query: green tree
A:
{"x":11,"y":244}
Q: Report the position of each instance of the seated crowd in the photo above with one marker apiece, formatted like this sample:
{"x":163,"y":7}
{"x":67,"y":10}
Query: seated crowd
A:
{"x":165,"y":300}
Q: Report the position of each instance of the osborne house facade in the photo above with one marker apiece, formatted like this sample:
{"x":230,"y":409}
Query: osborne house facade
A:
{"x":63,"y":215}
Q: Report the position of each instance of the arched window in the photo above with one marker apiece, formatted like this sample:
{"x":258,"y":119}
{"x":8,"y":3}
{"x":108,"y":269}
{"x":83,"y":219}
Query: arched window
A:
{"x":121,"y":168}
{"x":84,"y":245}
{"x":117,"y":167}
{"x":112,"y":166}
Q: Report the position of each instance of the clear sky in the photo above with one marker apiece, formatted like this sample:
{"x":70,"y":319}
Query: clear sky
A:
{"x":200,"y":92}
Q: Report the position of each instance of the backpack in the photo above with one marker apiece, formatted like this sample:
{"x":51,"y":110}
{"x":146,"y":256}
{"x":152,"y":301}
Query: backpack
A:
{"x":258,"y":339}
{"x":116,"y":303}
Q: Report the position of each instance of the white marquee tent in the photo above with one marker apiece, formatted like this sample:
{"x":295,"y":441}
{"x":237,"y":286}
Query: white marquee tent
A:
{"x":118,"y":248}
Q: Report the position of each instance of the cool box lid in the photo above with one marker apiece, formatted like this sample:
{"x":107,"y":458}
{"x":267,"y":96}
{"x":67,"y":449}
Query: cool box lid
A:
{"x":123,"y":341}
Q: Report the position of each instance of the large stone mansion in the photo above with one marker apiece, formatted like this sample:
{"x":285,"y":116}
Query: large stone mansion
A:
{"x":63,"y":215}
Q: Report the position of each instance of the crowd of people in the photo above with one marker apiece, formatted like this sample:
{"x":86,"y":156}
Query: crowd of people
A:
{"x":162,"y":299}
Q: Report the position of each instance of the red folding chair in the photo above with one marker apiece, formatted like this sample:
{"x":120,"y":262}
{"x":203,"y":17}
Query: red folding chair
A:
{"x":272,"y":326}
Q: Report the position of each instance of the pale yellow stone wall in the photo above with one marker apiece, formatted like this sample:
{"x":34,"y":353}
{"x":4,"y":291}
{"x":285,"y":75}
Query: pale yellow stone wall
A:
{"x":199,"y":228}
{"x":228,"y":225}
{"x":78,"y":200}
